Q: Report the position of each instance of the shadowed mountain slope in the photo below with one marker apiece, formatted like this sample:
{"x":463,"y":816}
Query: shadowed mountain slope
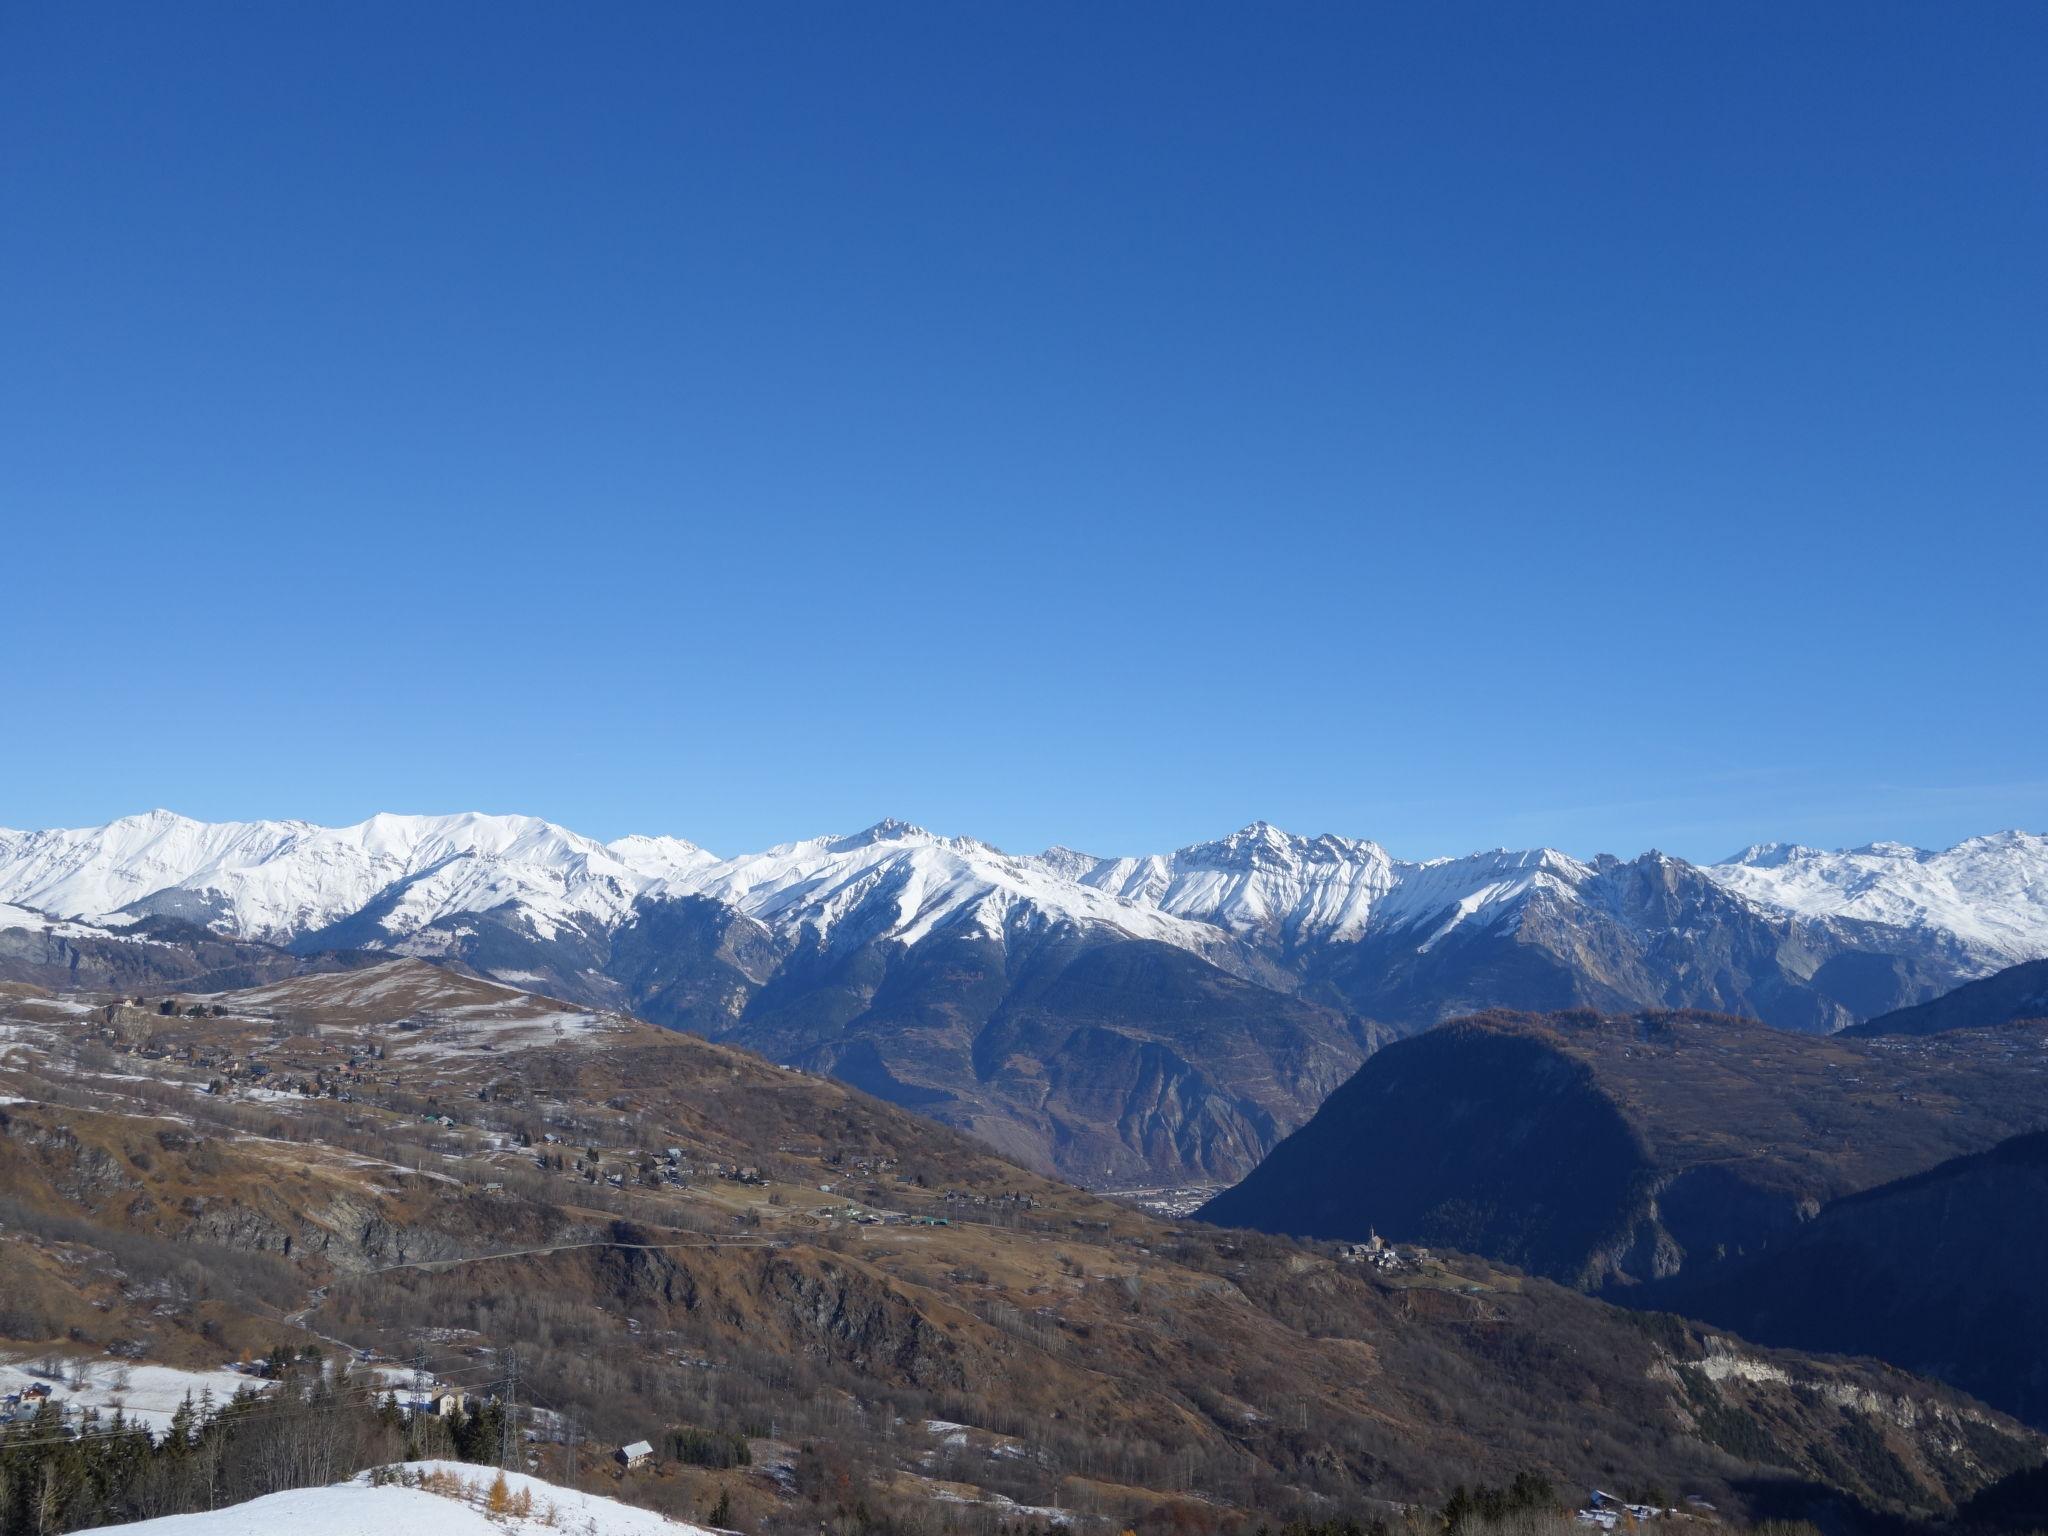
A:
{"x":2015,"y":993}
{"x":1608,"y":1150}
{"x":1942,"y":1273}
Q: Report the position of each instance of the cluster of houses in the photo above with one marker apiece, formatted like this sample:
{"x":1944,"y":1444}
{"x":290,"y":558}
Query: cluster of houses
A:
{"x":670,"y":1170}
{"x":1382,"y":1255}
{"x":25,"y":1403}
{"x":861,"y":1216}
{"x":1005,"y":1201}
{"x":1607,"y":1512}
{"x":134,"y":1027}
{"x":867,"y":1165}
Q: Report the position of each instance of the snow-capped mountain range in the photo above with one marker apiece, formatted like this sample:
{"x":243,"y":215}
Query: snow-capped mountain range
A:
{"x":277,"y":881}
{"x":284,"y":882}
{"x":1988,"y":893}
{"x":1163,"y":1018}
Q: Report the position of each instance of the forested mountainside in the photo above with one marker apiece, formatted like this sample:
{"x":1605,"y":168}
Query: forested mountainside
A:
{"x":1605,"y":1151}
{"x":1118,"y":1021}
{"x":2018,"y":992}
{"x":1940,"y":1272}
{"x":681,"y":1239}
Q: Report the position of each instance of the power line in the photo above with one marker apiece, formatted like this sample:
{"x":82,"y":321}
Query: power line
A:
{"x":744,"y":1240}
{"x":509,"y":1415}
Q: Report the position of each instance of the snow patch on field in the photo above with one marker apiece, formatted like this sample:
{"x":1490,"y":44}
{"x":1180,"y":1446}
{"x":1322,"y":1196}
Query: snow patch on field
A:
{"x":146,"y":1394}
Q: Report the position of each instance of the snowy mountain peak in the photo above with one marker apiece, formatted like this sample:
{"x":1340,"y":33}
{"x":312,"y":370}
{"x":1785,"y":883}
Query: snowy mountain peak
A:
{"x":1260,"y":837}
{"x":889,"y":831}
{"x":406,"y":882}
{"x":279,"y":880}
{"x":659,"y":858}
{"x":902,"y":882}
{"x":1258,"y":881}
{"x":1263,"y":844}
{"x":1769,"y":855}
{"x":1989,"y":893}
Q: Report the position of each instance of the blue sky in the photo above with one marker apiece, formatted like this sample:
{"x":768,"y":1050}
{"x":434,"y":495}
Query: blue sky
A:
{"x":1603,"y":425}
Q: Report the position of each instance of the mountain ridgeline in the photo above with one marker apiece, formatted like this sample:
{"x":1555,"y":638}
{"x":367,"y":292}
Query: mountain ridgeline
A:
{"x":1165,"y":1019}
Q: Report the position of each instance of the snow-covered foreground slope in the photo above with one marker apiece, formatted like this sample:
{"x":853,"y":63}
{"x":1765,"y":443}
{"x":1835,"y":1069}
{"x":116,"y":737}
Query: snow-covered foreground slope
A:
{"x":1989,"y":893}
{"x":445,"y":1498}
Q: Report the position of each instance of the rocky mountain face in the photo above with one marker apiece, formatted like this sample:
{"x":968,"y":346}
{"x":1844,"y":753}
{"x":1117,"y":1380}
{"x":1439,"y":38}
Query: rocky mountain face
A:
{"x":1609,"y":1152}
{"x":1159,"y":1019}
{"x":2017,"y":992}
{"x":1940,"y":1272}
{"x":1619,"y":935}
{"x":1111,"y":1063}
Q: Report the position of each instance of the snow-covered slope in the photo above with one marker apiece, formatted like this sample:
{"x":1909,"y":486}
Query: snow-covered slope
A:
{"x":446,"y":1498}
{"x":279,"y":880}
{"x":148,"y":1395}
{"x":282,"y":881}
{"x":901,"y":882}
{"x":391,"y":877}
{"x":33,"y":921}
{"x":1262,"y":882}
{"x":1989,"y":893}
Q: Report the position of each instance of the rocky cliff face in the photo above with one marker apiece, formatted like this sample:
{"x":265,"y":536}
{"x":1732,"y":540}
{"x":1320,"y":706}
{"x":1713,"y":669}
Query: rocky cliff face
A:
{"x":1651,"y":932}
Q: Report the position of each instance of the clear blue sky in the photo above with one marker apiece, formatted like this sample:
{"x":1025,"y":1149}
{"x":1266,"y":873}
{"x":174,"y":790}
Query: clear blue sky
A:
{"x":1603,"y":425}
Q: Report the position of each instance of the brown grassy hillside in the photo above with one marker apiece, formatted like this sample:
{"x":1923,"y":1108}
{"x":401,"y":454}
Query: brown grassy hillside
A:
{"x":401,"y":1160}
